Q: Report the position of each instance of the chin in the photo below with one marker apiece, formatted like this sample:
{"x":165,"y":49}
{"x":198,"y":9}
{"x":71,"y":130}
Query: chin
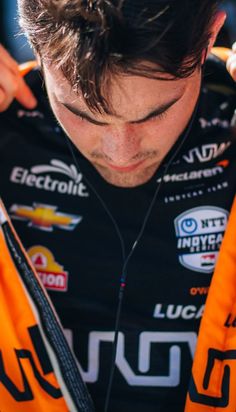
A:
{"x":126,"y":180}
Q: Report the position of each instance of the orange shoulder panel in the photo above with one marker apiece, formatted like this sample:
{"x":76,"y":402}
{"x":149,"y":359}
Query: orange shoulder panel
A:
{"x":38,"y":372}
{"x":213,"y":382}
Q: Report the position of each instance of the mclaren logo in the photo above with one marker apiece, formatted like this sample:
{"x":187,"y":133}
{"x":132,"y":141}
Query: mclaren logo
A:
{"x":196,"y":174}
{"x":44,"y":217}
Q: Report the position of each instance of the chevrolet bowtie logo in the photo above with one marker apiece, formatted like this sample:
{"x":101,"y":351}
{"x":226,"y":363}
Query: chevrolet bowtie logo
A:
{"x":44,"y":217}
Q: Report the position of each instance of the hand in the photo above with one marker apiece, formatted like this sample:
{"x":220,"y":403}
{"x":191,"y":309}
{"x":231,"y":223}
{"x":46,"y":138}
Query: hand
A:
{"x":12,"y":85}
{"x":231,"y":62}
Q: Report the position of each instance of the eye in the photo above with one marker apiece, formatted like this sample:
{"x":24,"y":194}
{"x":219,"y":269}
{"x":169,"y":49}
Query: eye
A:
{"x":78,"y":116}
{"x":159,"y":116}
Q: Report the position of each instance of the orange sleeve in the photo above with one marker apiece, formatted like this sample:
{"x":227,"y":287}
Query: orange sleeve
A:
{"x":213,"y":382}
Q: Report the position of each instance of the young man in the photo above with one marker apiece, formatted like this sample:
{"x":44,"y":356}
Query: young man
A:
{"x":125,"y":231}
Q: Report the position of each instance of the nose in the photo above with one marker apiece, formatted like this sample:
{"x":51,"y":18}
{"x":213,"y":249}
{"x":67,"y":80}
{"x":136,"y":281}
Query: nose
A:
{"x":120,"y":146}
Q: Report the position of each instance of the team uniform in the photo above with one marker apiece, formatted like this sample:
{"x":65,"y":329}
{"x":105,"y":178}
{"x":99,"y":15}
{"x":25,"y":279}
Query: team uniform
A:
{"x":76,"y":251}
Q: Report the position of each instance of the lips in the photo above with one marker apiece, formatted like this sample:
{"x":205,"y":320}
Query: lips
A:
{"x":125,"y":169}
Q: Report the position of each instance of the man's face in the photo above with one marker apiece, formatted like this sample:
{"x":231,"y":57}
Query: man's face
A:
{"x":126,"y":148}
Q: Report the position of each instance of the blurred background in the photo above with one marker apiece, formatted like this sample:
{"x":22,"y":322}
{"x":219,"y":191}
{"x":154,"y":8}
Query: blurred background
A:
{"x":17,"y":44}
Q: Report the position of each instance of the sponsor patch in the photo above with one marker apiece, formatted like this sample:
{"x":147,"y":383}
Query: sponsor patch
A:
{"x":199,"y":290}
{"x":215,"y":122}
{"x":199,"y":234}
{"x":195,"y":193}
{"x":206,"y":152}
{"x":44,"y":217}
{"x":196,"y":174}
{"x":40,"y":177}
{"x":30,"y":114}
{"x":51,"y":273}
{"x":172,"y":311}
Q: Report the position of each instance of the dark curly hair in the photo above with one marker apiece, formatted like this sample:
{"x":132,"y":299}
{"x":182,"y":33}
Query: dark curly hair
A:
{"x":91,"y":40}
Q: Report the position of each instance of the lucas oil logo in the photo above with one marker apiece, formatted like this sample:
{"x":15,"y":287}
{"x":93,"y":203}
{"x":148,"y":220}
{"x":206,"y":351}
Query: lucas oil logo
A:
{"x":51,"y":273}
{"x":42,"y":177}
{"x":199,"y":234}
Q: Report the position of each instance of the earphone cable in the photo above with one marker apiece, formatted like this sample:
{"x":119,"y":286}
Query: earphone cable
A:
{"x":123,"y":279}
{"x":126,"y":259}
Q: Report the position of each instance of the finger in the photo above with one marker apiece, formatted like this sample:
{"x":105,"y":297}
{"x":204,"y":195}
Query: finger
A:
{"x":25,"y":96}
{"x":5,"y":101}
{"x":14,"y":86}
{"x":229,"y":61}
{"x":234,"y":47}
{"x":231,"y":66}
{"x":222,"y":53}
{"x":8,"y":80}
{"x":2,"y":98}
{"x":7,"y":60}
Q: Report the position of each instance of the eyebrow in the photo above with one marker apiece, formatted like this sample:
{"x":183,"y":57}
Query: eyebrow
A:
{"x":158,"y":111}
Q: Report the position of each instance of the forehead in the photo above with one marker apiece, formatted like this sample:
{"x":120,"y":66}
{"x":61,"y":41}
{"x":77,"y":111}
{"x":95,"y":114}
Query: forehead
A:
{"x":125,"y":92}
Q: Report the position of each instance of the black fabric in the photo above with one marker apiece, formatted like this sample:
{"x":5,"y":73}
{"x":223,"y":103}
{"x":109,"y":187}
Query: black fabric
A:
{"x":81,"y":261}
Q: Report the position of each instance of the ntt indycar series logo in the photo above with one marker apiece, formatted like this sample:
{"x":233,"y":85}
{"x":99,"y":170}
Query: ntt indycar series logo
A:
{"x":199,"y":234}
{"x":43,"y":177}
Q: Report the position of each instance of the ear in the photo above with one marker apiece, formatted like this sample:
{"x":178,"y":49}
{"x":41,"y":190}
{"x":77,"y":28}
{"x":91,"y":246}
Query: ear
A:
{"x":215,"y":28}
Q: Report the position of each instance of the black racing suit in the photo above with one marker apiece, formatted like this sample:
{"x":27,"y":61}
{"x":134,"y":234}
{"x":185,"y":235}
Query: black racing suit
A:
{"x":75,"y":248}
